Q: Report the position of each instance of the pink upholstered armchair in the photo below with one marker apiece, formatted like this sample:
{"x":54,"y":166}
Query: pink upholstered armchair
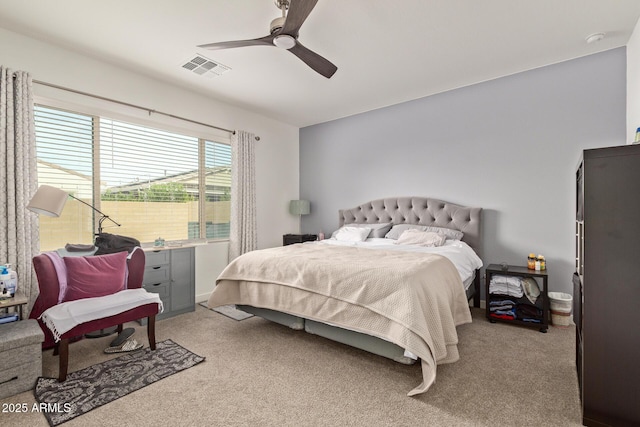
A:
{"x":49,"y":294}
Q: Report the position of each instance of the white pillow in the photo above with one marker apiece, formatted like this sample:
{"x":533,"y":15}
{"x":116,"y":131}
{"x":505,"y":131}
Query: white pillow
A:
{"x":377,"y":230}
{"x":448,"y":232}
{"x":398,"y":229}
{"x":352,"y":234}
{"x":422,"y":238}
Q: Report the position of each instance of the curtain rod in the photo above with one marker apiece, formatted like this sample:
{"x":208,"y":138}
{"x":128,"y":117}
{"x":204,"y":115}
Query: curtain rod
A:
{"x":150,"y":110}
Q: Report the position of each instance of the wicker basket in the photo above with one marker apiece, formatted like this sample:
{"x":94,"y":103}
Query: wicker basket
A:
{"x":561,"y":304}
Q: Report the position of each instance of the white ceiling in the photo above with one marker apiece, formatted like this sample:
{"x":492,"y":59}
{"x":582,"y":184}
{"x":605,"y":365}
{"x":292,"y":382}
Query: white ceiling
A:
{"x":386,"y":51}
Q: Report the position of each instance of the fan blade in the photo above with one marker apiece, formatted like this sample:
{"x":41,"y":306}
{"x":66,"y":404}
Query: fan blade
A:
{"x":267,"y":40}
{"x":298,"y":12}
{"x":313,"y":60}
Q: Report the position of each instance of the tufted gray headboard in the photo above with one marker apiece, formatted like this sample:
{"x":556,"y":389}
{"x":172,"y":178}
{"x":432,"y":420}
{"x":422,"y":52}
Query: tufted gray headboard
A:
{"x":422,"y":211}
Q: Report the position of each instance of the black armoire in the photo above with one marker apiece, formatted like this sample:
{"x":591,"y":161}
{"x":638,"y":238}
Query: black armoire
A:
{"x":607,"y":285}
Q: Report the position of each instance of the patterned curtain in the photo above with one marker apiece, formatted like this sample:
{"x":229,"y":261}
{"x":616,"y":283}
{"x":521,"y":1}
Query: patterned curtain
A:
{"x":18,"y":180}
{"x":243,"y":234}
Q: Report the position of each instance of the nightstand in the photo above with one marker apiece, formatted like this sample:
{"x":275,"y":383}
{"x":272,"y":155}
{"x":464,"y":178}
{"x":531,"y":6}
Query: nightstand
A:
{"x":290,"y":239}
{"x":542,"y":303}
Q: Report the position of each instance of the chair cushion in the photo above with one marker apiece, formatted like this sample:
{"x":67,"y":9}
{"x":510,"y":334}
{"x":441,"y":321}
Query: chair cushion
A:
{"x":95,"y":276}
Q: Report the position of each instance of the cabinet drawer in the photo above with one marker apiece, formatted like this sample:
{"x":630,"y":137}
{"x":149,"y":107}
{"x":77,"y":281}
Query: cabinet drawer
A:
{"x":20,"y":378}
{"x":156,"y":274}
{"x":31,"y":353}
{"x":157,"y":257}
{"x":161,"y":288}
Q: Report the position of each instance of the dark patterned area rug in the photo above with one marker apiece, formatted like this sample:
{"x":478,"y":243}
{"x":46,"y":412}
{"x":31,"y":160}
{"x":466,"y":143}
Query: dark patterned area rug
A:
{"x":105,"y":382}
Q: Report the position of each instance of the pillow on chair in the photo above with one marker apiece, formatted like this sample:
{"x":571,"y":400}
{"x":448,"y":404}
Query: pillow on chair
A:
{"x":95,"y":276}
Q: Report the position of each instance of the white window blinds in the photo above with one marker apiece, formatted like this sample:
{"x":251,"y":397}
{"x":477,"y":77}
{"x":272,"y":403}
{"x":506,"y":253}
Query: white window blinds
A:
{"x":149,"y":180}
{"x":154,"y":183}
{"x":64,"y":145}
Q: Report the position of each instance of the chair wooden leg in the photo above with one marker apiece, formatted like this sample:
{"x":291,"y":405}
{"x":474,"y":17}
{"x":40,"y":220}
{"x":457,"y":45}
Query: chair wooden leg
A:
{"x":151,"y":331}
{"x":63,"y":347}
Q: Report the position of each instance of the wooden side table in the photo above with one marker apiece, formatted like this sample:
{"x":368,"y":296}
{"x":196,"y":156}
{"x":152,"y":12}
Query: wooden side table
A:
{"x":518,"y":271}
{"x":19,"y":300}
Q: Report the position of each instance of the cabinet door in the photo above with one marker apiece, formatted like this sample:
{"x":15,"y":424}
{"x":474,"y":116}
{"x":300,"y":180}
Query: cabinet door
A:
{"x":182,"y":279}
{"x":610,"y":288}
{"x":577,"y":318}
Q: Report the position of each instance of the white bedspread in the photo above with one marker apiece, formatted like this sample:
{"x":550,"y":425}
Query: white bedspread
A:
{"x":63,"y":317}
{"x":413,"y":299}
{"x":459,"y":253}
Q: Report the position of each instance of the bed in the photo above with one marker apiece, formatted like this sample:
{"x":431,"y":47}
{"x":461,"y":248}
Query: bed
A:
{"x":400,"y":301}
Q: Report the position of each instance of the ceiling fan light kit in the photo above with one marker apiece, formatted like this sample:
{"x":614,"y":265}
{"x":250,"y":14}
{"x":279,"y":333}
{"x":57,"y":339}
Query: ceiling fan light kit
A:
{"x":284,"y":34}
{"x":284,"y":41}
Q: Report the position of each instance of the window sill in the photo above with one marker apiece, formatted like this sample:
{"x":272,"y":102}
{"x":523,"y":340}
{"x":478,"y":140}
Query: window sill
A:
{"x":181,"y":243}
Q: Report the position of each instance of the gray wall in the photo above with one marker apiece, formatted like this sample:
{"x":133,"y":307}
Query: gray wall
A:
{"x":508,"y":145}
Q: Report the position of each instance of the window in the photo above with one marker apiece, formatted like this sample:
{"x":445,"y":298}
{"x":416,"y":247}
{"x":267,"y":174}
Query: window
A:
{"x":64,"y":145}
{"x":153,"y":182}
{"x":217,"y":171}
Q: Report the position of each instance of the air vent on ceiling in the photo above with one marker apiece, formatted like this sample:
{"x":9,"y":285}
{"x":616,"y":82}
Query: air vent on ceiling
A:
{"x":205,"y":66}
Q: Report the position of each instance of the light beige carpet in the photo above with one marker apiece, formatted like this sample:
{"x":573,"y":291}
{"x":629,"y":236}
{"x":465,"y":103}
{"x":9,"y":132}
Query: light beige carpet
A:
{"x":260,"y":373}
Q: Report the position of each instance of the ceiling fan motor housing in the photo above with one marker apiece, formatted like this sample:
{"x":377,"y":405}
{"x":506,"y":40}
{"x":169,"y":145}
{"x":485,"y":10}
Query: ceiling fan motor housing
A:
{"x":276,"y":24}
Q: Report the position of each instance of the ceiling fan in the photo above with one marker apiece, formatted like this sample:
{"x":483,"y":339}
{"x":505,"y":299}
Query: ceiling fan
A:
{"x":284,"y":34}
